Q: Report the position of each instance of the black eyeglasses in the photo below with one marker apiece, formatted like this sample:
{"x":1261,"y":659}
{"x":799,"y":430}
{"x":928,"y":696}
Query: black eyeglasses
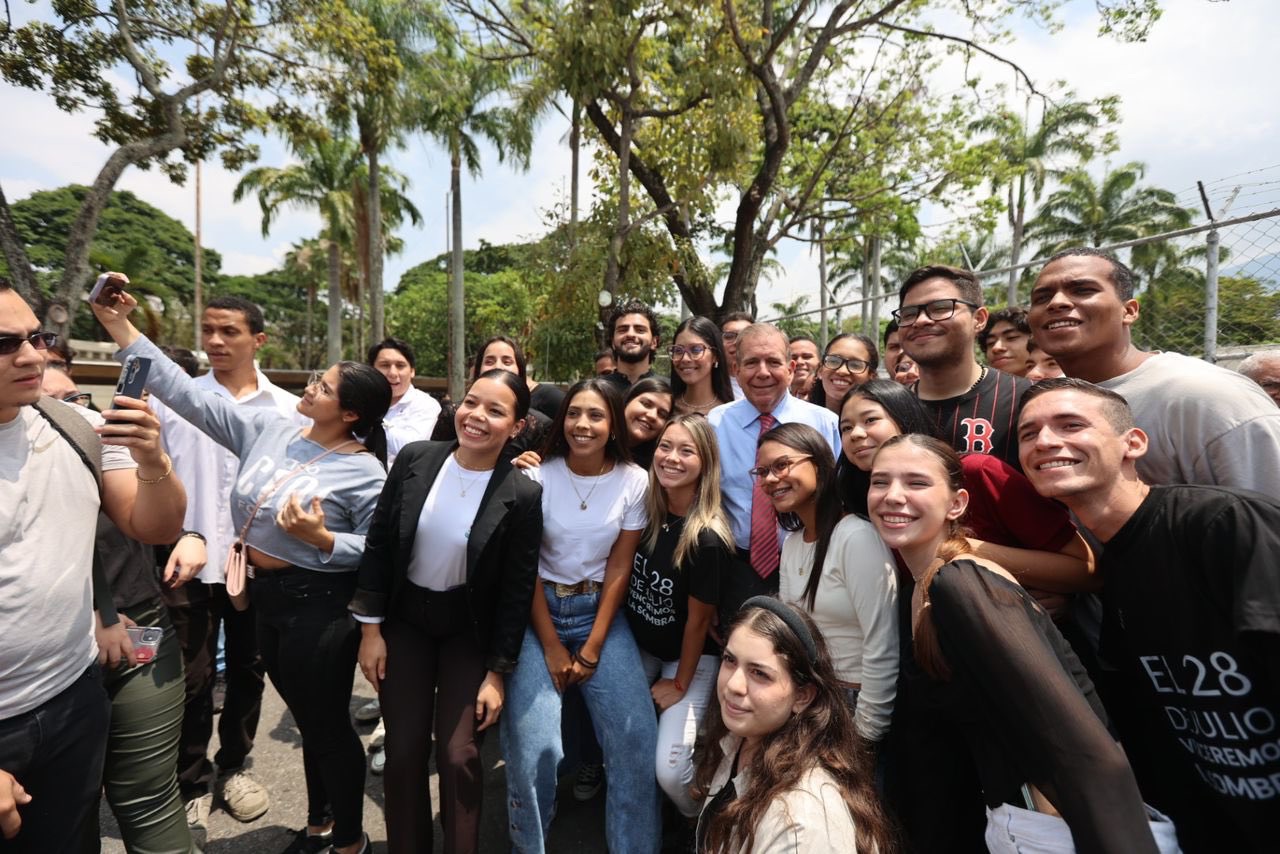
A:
{"x":80,"y":398}
{"x":833,"y":362}
{"x":939,"y":309}
{"x":779,"y":468}
{"x":10,"y":344}
{"x":680,"y":351}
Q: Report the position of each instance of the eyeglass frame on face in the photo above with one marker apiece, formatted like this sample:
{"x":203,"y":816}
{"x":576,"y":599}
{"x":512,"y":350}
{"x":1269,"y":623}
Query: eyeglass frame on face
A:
{"x":37,"y":340}
{"x":848,"y":364}
{"x":779,"y":468}
{"x":79,"y":398}
{"x":730,"y":336}
{"x":317,"y":379}
{"x":693,"y":351}
{"x":923,"y":308}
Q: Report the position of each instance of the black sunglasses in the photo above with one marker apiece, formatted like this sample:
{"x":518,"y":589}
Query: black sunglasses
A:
{"x":10,"y":344}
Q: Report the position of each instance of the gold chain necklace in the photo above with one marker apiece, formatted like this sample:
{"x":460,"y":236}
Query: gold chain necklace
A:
{"x":582,"y":502}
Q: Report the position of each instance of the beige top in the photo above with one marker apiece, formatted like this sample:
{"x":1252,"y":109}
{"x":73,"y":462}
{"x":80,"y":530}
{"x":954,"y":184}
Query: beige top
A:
{"x":811,"y":818}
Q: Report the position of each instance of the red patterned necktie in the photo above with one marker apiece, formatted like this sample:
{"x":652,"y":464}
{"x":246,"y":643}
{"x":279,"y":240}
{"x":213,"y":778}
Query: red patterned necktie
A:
{"x":764,"y":521}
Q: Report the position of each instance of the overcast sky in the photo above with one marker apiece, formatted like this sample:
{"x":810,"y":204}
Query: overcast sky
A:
{"x":1194,"y":106}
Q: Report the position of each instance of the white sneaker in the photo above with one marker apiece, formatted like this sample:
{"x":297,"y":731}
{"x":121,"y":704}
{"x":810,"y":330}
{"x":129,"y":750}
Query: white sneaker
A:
{"x":244,"y":798}
{"x":379,"y":736}
{"x":377,"y":762}
{"x":369,"y":712}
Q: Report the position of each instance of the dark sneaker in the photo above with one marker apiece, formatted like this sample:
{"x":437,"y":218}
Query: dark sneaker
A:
{"x":306,"y":843}
{"x":590,"y":779}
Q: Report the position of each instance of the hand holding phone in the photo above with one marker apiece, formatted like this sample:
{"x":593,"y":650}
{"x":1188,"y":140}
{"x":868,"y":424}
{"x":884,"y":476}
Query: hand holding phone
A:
{"x":106,"y":291}
{"x":133,"y":380}
{"x":146,"y":641}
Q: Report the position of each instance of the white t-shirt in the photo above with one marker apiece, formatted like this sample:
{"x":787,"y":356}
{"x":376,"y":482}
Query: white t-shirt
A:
{"x":439,"y":560}
{"x":48,"y":520}
{"x":576,"y":542}
{"x":856,"y":608}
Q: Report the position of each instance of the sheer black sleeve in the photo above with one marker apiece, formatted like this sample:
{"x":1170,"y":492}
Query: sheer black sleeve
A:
{"x":1033,"y":721}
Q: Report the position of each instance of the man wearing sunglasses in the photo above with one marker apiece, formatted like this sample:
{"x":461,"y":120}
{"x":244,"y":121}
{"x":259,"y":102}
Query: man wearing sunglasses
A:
{"x":53,"y":707}
{"x":939,"y":316}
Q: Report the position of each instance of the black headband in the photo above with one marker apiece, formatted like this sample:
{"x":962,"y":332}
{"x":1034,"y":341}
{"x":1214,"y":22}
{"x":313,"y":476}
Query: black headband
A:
{"x":790,"y":617}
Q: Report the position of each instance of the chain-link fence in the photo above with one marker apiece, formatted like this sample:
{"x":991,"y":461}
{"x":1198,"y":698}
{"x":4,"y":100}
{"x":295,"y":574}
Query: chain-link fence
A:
{"x":1211,"y":291}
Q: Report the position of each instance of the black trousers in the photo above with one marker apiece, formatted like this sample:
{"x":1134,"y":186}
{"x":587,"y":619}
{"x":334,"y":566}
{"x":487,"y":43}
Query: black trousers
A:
{"x":197,"y":610}
{"x":56,"y":752}
{"x":309,"y":643}
{"x":434,"y":670}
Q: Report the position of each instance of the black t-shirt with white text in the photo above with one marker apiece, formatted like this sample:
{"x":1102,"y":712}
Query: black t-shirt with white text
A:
{"x":1192,"y":596}
{"x":983,"y":420}
{"x":658,"y":592}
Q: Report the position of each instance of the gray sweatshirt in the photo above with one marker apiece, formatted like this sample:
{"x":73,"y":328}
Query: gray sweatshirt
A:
{"x":269,"y":445}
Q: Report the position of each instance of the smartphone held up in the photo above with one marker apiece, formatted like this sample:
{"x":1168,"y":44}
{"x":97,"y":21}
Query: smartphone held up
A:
{"x":106,"y":291}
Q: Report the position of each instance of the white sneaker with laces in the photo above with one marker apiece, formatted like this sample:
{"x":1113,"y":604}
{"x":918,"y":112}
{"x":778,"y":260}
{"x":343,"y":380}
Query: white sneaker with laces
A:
{"x":198,"y":819}
{"x":369,"y":712}
{"x":244,"y":798}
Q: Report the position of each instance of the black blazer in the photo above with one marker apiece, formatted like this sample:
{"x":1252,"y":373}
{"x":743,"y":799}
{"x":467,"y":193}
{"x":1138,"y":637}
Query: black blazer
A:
{"x":502,"y":551}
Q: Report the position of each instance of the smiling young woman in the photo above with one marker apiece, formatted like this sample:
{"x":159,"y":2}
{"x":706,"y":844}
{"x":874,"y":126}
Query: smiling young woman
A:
{"x":836,"y":568}
{"x":699,"y":367}
{"x":848,"y":361}
{"x":593,"y":507}
{"x":781,"y":766}
{"x":984,"y":659}
{"x":443,"y":598}
{"x":674,"y":593}
{"x":645,"y":411}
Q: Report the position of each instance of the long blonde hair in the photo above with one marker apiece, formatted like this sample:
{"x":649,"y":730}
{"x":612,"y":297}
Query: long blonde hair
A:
{"x":705,"y":512}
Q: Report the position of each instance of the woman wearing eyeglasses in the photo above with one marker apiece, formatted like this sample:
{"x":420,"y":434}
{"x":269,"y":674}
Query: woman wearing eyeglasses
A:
{"x":836,"y":568}
{"x":848,"y":361}
{"x":699,"y":367}
{"x":302,"y":502}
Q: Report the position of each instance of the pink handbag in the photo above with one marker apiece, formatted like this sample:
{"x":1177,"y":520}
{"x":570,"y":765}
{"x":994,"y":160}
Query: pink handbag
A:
{"x":236,"y":567}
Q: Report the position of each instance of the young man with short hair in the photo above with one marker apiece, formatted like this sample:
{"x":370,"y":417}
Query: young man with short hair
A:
{"x":892,"y":348}
{"x":54,"y":711}
{"x":604,"y":363}
{"x":413,"y":412}
{"x":940,"y":315}
{"x":1205,"y":424}
{"x":232,"y":331}
{"x":806,"y":353}
{"x":1005,"y":338}
{"x":634,"y":335}
{"x":1191,"y":586}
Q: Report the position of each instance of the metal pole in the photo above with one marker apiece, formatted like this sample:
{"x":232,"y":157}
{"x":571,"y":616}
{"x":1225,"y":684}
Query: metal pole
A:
{"x":822,"y":288}
{"x":196,"y":310}
{"x":1211,"y":298}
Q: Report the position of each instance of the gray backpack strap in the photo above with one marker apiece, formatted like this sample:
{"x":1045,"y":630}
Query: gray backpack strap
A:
{"x":77,"y":431}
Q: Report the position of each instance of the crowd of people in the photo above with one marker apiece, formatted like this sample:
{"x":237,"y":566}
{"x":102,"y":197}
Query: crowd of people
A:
{"x":998,"y":581}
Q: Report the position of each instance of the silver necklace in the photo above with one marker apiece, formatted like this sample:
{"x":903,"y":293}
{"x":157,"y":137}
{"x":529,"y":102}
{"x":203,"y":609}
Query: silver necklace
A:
{"x":582,"y":502}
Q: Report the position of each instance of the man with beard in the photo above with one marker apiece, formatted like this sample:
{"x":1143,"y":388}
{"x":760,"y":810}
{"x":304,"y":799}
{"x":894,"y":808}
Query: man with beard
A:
{"x":939,"y":316}
{"x":634,"y":335}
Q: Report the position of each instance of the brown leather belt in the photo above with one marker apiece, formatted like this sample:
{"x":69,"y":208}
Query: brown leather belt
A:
{"x":565,"y":590}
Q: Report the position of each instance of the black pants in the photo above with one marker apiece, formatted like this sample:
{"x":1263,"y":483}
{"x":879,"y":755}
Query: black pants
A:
{"x":309,"y":643}
{"x":197,"y":610}
{"x":56,"y":751}
{"x":434,"y":669}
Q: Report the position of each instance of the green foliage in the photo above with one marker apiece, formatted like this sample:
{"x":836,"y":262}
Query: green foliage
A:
{"x":1172,"y":318}
{"x":128,"y":225}
{"x":498,"y":303}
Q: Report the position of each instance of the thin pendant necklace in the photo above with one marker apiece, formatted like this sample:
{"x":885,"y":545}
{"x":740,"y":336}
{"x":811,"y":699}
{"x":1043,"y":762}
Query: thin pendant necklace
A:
{"x":582,"y":502}
{"x":463,"y":483}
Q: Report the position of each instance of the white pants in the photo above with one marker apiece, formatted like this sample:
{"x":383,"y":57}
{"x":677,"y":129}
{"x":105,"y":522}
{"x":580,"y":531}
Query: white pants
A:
{"x":1014,"y":830}
{"x":678,"y":727}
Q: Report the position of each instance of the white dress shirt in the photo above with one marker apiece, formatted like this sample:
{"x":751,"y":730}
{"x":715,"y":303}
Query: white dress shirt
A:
{"x":410,"y":419}
{"x":209,"y":470}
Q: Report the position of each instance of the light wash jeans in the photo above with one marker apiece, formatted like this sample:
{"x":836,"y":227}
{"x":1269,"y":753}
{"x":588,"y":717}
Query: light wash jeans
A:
{"x":622,"y":711}
{"x":678,"y":727}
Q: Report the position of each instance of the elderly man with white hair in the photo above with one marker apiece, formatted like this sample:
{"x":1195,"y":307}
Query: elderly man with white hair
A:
{"x":1263,"y":367}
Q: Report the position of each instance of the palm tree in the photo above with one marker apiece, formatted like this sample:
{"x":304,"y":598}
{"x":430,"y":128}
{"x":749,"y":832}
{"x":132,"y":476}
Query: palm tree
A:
{"x":321,"y":180}
{"x":1027,"y":154}
{"x":382,"y":116}
{"x":1086,"y":213}
{"x":455,"y":107}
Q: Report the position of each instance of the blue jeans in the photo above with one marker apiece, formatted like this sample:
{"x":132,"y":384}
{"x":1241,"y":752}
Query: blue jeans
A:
{"x":618,"y":698}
